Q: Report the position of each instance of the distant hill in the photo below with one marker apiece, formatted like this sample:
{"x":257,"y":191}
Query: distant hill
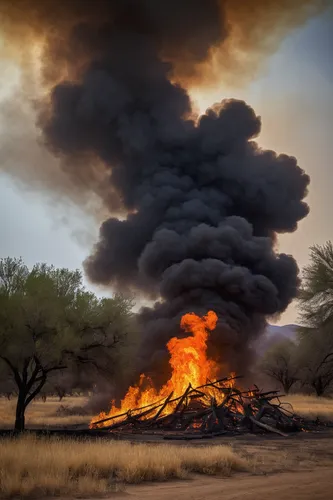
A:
{"x":275,"y":334}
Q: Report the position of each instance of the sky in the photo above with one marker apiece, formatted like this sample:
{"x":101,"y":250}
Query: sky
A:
{"x":293,"y":94}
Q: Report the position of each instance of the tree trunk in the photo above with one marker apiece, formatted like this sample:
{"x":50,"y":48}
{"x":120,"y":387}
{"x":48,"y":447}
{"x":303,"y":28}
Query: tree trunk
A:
{"x":287,"y":384}
{"x":20,"y":411}
{"x":318,"y":387}
{"x":28,"y":388}
{"x":286,"y":388}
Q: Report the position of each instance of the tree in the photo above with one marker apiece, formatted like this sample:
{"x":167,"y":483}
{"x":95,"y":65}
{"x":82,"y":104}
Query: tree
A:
{"x":316,"y":360}
{"x":49,"y":323}
{"x":316,"y":315}
{"x":280,"y":363}
{"x":316,"y":294}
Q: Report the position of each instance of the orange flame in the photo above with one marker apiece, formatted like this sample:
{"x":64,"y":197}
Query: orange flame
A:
{"x":189,"y":364}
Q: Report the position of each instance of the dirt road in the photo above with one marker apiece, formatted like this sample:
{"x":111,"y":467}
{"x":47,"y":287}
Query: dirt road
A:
{"x":305,"y":485}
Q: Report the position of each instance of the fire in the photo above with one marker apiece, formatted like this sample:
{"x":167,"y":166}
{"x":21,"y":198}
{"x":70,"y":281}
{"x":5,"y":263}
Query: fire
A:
{"x":188,"y":359}
{"x":189,"y":364}
{"x":193,"y":402}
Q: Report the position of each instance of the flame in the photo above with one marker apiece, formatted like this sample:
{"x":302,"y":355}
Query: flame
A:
{"x":189,"y":365}
{"x":188,"y":360}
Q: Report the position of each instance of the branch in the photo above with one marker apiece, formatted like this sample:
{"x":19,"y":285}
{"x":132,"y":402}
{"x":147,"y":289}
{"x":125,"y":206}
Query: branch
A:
{"x":36,"y":391}
{"x":46,"y":371}
{"x":100,"y":344}
{"x":33,"y":377}
{"x":25,"y":370}
{"x":93,"y":345}
{"x":34,"y":334}
{"x":324,"y":361}
{"x":326,"y":358}
{"x":53,"y":368}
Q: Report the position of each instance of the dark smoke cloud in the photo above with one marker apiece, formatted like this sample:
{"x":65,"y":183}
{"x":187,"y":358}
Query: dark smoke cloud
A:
{"x":204,"y":202}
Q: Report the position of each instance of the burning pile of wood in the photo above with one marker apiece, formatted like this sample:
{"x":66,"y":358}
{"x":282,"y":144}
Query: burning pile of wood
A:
{"x":212,"y":409}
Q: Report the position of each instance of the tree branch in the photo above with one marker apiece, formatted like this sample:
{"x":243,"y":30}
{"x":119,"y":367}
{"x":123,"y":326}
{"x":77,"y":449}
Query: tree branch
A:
{"x":46,"y":371}
{"x":25,"y":370}
{"x":35,"y":392}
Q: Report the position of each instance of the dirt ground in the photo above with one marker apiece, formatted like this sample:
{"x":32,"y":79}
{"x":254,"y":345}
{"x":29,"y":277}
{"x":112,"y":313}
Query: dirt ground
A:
{"x":297,"y":468}
{"x":305,"y":485}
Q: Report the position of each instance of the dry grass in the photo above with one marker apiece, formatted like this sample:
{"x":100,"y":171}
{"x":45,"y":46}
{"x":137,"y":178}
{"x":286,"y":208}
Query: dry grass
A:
{"x":40,"y":414}
{"x":31,"y":467}
{"x":42,"y":467}
{"x":311,"y":406}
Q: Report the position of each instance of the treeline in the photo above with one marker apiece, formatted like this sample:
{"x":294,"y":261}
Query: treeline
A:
{"x":306,"y":364}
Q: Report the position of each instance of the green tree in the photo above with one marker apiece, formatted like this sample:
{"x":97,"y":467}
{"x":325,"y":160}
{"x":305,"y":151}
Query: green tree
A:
{"x":50,"y":323}
{"x":316,"y":317}
{"x":316,"y":294}
{"x":280,"y":363}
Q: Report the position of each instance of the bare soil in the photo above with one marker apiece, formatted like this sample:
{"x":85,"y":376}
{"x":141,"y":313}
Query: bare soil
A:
{"x":305,"y":485}
{"x":295,"y":468}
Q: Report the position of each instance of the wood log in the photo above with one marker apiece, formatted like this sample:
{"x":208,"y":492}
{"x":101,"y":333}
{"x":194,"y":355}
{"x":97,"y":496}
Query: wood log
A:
{"x":200,"y":405}
{"x":225,"y":379}
{"x":163,"y":406}
{"x":182,"y":398}
{"x":158,"y":403}
{"x":197,"y":415}
{"x":267,"y":427}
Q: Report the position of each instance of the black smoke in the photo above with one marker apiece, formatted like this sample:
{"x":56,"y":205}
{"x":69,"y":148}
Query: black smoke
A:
{"x":204,"y":202}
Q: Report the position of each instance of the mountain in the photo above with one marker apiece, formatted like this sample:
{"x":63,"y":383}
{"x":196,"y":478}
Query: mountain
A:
{"x":275,"y":334}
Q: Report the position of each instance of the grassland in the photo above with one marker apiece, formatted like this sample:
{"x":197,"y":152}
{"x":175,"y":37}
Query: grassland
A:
{"x":45,"y":414}
{"x":40,"y":467}
{"x":31,"y":467}
{"x":311,"y":406}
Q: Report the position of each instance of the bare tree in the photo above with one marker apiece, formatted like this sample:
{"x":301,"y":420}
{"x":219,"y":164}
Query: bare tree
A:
{"x":316,"y":360}
{"x":280,"y":364}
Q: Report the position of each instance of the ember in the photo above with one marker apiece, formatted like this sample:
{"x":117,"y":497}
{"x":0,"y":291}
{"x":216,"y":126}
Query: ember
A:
{"x":190,"y":403}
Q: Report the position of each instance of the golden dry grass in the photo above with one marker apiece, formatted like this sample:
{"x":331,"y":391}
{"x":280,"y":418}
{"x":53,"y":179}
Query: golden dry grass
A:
{"x":31,"y":467}
{"x":43,"y":414}
{"x":311,"y":406}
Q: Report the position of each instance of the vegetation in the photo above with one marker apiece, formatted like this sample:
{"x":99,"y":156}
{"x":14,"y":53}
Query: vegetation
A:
{"x":309,"y":362}
{"x":316,"y":361}
{"x":56,"y":338}
{"x":280,"y":363}
{"x":49,"y":324}
{"x":310,"y":406}
{"x":72,"y":410}
{"x":44,"y":467}
{"x":41,"y":414}
{"x":316,"y":296}
{"x":316,"y":315}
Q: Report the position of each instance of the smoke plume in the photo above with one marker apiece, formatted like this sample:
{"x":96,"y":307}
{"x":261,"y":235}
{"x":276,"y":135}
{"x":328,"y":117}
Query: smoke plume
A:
{"x":202,"y":202}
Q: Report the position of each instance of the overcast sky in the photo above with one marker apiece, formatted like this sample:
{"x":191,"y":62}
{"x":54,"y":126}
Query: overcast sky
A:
{"x":294,"y":96}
